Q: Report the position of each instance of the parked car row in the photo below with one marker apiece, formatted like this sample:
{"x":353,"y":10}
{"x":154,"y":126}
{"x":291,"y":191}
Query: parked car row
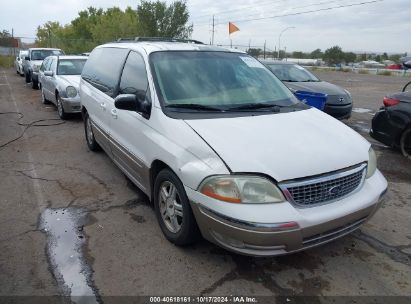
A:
{"x":56,"y":74}
{"x":220,"y":145}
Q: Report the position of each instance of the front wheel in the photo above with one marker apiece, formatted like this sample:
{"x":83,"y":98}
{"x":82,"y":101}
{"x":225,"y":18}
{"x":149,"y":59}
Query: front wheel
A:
{"x":27,"y":77}
{"x":173,"y":209}
{"x":405,"y":143}
{"x":43,"y":97}
{"x":60,"y":109}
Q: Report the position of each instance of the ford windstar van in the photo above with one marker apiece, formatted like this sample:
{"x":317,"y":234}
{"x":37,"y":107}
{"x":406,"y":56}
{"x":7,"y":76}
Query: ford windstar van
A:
{"x":223,"y":149}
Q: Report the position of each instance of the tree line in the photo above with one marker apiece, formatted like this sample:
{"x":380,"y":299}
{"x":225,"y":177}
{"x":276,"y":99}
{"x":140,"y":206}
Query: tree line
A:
{"x":94,"y":26}
{"x":333,"y":55}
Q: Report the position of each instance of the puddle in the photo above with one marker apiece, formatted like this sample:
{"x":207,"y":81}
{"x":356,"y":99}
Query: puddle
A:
{"x":361,"y":110}
{"x":65,"y":239}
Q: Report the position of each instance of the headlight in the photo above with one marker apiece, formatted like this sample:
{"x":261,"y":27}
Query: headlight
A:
{"x":71,"y":92}
{"x":241,"y":189}
{"x":372,"y":163}
{"x":348,"y":93}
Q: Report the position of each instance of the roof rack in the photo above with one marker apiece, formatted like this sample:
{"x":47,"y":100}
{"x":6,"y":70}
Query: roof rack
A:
{"x":158,"y":39}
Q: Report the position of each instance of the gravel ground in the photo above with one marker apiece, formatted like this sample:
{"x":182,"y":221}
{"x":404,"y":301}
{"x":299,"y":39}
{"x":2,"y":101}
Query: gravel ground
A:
{"x":124,"y":252}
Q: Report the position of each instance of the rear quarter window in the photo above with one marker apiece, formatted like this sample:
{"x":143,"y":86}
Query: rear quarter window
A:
{"x":103,"y":67}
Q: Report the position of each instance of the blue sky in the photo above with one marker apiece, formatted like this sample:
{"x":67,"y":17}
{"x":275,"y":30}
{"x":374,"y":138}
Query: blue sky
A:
{"x":381,"y":26}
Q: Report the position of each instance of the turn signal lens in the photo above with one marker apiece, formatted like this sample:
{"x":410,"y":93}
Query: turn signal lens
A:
{"x":372,"y":163}
{"x":388,"y":102}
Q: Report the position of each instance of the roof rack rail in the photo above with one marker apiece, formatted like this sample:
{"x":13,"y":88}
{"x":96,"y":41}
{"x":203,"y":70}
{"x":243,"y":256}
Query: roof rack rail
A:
{"x":158,"y":39}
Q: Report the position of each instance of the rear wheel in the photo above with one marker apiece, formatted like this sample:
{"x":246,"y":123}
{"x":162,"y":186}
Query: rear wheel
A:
{"x":173,"y":209}
{"x":88,"y":130}
{"x":34,"y":84}
{"x":405,"y":143}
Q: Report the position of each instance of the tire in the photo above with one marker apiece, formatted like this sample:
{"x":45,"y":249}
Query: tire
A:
{"x":27,"y":77}
{"x":43,"y":97}
{"x":60,"y":109}
{"x":88,"y":132}
{"x":173,"y":210}
{"x":405,"y":143}
{"x":34,"y":84}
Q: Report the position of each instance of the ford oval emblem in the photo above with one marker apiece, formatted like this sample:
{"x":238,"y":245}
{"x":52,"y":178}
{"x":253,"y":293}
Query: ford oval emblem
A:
{"x":334,"y":191}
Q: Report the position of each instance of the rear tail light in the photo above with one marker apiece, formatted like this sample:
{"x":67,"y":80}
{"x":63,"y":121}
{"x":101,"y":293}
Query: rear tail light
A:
{"x":388,"y":102}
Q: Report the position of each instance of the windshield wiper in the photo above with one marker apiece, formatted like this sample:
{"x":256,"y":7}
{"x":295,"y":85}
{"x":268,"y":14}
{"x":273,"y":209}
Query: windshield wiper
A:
{"x":289,"y":80}
{"x":255,"y":106}
{"x":193,"y":106}
{"x":309,"y":80}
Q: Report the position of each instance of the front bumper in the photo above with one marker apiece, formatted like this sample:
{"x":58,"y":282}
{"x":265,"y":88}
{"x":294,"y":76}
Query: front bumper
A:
{"x":71,"y":105}
{"x":384,"y":129}
{"x":278,"y":229}
{"x":338,"y":111}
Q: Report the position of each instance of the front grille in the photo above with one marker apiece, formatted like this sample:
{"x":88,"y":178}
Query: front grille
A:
{"x":324,"y":189}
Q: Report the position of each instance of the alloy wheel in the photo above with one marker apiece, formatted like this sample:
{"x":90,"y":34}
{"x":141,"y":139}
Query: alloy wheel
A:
{"x":171,"y":209}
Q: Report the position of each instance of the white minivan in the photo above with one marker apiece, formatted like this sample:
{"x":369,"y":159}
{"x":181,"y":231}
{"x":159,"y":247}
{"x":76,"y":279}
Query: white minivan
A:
{"x":223,"y":149}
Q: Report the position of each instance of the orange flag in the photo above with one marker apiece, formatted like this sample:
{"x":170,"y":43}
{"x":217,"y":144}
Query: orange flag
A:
{"x":232,"y":28}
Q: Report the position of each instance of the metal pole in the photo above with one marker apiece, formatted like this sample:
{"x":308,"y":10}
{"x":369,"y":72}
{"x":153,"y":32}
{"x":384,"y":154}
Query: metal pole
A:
{"x":212,"y":33}
{"x":264,"y":47}
{"x":279,"y":38}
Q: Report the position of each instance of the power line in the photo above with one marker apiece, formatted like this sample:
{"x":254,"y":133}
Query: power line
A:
{"x":300,"y":13}
{"x":308,"y":12}
{"x":242,"y":8}
{"x":303,"y":6}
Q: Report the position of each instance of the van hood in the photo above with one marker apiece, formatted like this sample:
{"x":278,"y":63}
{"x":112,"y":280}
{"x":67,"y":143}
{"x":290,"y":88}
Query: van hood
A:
{"x":285,"y":145}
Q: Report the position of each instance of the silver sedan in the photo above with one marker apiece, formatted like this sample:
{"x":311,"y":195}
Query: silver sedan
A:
{"x":59,"y":78}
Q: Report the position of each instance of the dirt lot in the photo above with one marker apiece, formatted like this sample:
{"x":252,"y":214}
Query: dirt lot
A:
{"x":124,"y":251}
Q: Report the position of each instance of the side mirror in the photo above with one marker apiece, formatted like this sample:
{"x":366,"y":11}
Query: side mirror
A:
{"x":27,"y":58}
{"x":130,"y":102}
{"x":49,"y":73}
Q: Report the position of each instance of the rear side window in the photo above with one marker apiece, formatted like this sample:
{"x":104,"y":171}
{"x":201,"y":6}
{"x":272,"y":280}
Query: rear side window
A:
{"x":134,"y":78}
{"x":103,"y":68}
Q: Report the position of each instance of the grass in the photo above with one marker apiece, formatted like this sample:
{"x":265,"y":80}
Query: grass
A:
{"x":361,"y":71}
{"x":385,"y":73}
{"x":6,"y":61}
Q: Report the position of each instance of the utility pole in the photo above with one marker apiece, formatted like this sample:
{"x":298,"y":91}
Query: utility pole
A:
{"x":212,"y":33}
{"x":264,"y":47}
{"x":12,"y":36}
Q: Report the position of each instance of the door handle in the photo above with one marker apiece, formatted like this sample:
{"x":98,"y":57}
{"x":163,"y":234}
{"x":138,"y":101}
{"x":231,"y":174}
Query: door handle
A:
{"x":103,"y":106}
{"x":114,"y":113}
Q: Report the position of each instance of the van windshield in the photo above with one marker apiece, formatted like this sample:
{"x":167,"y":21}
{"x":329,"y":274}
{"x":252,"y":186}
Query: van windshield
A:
{"x":212,"y":80}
